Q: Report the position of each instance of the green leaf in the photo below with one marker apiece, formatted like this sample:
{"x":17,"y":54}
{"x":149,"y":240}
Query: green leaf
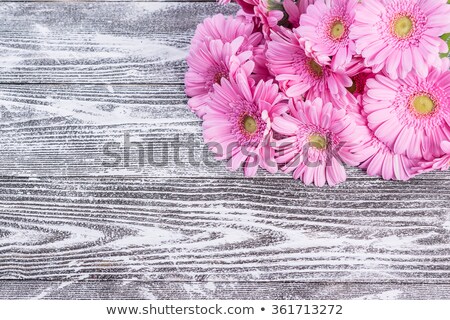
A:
{"x":446,"y":38}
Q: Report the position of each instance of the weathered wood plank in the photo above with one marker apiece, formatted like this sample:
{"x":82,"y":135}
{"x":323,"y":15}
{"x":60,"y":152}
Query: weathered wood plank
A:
{"x":54,"y":130}
{"x":156,"y":290}
{"x":84,"y":42}
{"x":62,"y":130}
{"x":109,"y":1}
{"x":223,"y":230}
{"x":153,"y":226}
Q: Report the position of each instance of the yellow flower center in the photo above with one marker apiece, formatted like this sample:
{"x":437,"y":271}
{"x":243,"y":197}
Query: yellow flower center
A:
{"x":337,"y":29}
{"x":403,"y":26}
{"x":315,"y":68}
{"x":249,"y":124}
{"x":423,"y":104}
{"x":318,"y":141}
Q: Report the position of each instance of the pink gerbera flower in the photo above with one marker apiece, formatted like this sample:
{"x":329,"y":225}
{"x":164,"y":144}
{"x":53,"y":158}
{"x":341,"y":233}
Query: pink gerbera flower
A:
{"x":441,"y":163}
{"x":246,"y":5}
{"x":286,"y":13}
{"x":237,"y":125}
{"x":378,"y":159}
{"x":298,"y":72}
{"x":249,"y":17}
{"x":326,"y":30}
{"x":227,"y":29}
{"x":359,"y":74}
{"x":261,"y":72}
{"x":208,"y":64}
{"x":293,"y":9}
{"x":411,"y":116}
{"x":271,"y":15}
{"x":319,"y":139}
{"x":397,"y":36}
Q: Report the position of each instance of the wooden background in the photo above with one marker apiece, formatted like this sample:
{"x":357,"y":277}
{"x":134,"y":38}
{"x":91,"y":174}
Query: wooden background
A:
{"x":75,"y":76}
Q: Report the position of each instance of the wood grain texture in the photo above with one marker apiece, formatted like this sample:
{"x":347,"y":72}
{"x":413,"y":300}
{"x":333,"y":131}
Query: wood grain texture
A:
{"x":87,"y":42}
{"x":107,"y":1}
{"x":62,"y":130}
{"x":76,"y":76}
{"x":112,"y":290}
{"x":223,"y":230}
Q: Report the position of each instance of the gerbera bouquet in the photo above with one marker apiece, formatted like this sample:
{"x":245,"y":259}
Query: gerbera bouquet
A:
{"x":310,"y":86}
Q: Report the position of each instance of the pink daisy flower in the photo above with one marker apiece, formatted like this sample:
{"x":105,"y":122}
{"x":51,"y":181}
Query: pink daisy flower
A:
{"x":237,"y":125}
{"x":298,"y":72}
{"x":271,"y":15}
{"x":227,"y":29}
{"x":249,"y":17}
{"x":246,"y":5}
{"x":294,"y":9}
{"x":318,"y":139}
{"x":286,"y":13}
{"x":326,"y":30}
{"x":261,"y":72}
{"x":378,"y":159}
{"x":411,"y":116}
{"x":441,"y":163}
{"x":397,"y":36}
{"x":359,"y":74}
{"x":208,"y":64}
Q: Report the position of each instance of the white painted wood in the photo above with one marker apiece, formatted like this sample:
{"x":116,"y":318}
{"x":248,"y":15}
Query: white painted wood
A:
{"x":223,"y":230}
{"x":75,"y":76}
{"x":78,"y":1}
{"x":111,"y":290}
{"x":92,"y":42}
{"x":61,"y":130}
